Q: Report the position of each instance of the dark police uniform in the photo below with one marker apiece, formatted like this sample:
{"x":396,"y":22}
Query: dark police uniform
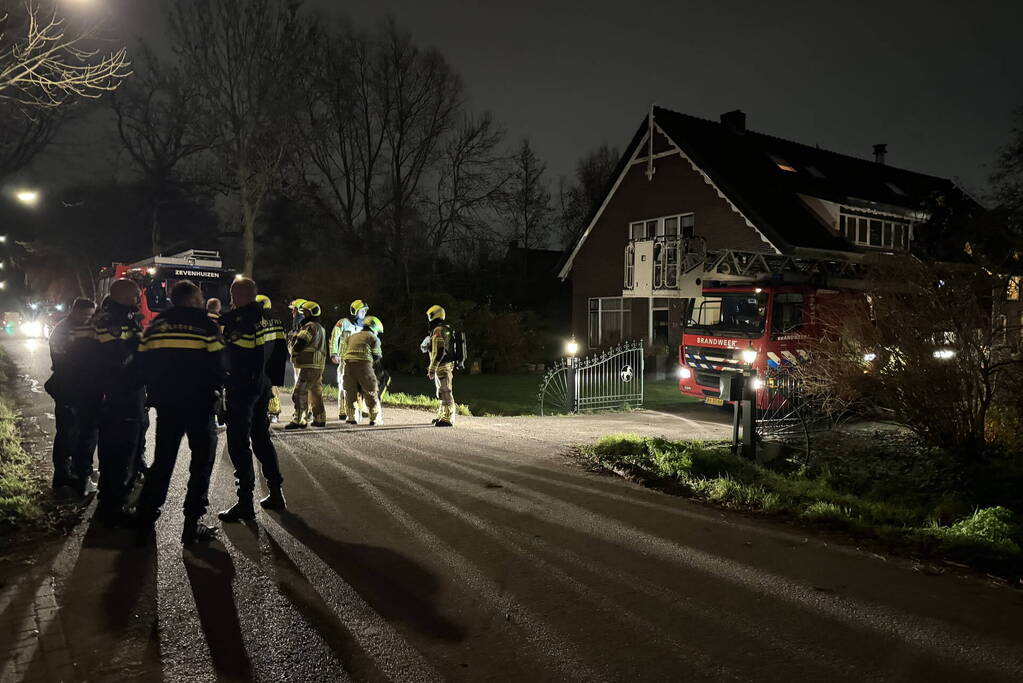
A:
{"x":104,"y":356}
{"x":181,"y":360}
{"x":73,"y":445}
{"x":257,"y":357}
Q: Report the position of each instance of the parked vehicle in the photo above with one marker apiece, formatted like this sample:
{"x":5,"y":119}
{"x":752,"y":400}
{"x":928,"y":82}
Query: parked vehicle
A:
{"x":157,"y":275}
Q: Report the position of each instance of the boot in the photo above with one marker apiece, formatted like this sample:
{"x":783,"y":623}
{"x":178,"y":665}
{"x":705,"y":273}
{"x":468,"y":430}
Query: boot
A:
{"x":197,"y":532}
{"x":296,"y":425}
{"x":275,"y":501}
{"x":322,"y":423}
{"x":242,"y":510}
{"x":443,"y":423}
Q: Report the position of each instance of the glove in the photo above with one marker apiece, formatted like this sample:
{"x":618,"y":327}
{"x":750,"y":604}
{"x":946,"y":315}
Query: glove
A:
{"x":336,"y":360}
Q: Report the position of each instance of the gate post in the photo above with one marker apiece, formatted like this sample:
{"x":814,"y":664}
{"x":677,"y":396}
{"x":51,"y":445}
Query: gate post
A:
{"x":748,"y":411}
{"x":572,"y":385}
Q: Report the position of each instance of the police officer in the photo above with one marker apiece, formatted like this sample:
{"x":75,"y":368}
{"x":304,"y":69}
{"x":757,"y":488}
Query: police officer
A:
{"x":343,"y":329}
{"x":363,"y":350}
{"x":69,"y":470}
{"x":105,"y":354}
{"x":308,"y":349}
{"x":181,"y":360}
{"x":213,"y":310}
{"x":440,"y":371}
{"x":256,"y":359}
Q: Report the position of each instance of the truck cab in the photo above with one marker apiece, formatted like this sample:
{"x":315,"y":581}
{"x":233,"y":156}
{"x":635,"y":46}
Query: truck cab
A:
{"x":730,"y":325}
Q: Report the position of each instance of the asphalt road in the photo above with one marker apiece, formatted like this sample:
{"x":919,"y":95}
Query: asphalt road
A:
{"x":482,"y":553}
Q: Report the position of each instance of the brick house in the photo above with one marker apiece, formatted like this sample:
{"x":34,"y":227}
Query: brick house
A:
{"x":686,"y":181}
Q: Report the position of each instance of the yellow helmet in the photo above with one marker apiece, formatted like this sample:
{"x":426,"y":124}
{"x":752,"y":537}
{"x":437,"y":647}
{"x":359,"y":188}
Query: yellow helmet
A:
{"x":435,"y":313}
{"x":265,"y":300}
{"x":357,"y":306}
{"x":297,"y":303}
{"x":312,"y":308}
{"x":374,"y":324}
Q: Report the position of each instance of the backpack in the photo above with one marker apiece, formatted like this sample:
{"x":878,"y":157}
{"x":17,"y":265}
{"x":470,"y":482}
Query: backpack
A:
{"x":457,"y":350}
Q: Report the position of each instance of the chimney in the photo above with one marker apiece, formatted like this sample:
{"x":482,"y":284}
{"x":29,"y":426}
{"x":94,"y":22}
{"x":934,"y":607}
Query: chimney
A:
{"x":880,"y":151}
{"x":734,"y":121}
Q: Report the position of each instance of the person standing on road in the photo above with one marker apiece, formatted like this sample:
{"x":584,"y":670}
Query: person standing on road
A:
{"x":308,"y":349}
{"x":343,"y":329}
{"x":363,"y":350}
{"x":109,"y":349}
{"x":70,"y":438}
{"x":441,"y":371}
{"x":182,"y":361}
{"x":274,"y":407}
{"x":256,"y":358}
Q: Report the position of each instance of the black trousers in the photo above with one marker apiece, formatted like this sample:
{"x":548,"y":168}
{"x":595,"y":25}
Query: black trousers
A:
{"x":74,"y":443}
{"x":121,"y":426}
{"x":172,"y":423}
{"x":248,"y":422}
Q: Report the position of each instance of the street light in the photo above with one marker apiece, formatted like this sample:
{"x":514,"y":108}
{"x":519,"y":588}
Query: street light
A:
{"x":27,"y":197}
{"x":572,"y":347}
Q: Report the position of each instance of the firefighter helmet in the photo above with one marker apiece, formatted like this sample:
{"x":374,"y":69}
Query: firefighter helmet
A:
{"x":435,"y":313}
{"x":297,"y":303}
{"x":311,"y":308}
{"x":359,"y":305}
{"x":265,"y":300}
{"x":374,"y":324}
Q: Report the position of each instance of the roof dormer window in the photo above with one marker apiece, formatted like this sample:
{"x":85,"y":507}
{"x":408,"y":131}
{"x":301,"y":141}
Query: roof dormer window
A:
{"x":782,"y":164}
{"x":894,"y":188}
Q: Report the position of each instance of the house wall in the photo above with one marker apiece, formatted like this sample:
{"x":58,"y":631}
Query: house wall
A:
{"x":597,"y":270}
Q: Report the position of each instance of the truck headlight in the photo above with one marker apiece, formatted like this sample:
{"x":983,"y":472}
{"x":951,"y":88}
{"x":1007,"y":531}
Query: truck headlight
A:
{"x":684,"y":373}
{"x":32,"y":329}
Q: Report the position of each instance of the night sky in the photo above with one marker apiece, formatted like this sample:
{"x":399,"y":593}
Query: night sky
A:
{"x":937,"y":84}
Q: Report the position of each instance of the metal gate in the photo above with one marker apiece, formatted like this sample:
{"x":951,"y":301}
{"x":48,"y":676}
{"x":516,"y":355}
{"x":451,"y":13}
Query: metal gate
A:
{"x":608,"y":380}
{"x":783,"y":414}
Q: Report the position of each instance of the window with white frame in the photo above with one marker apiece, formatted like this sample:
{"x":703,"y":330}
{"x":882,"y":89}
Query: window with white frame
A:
{"x":610,"y":321}
{"x":678,"y":225}
{"x":876,"y":230}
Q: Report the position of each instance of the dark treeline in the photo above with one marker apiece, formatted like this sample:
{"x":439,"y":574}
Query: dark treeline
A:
{"x":330,"y":161}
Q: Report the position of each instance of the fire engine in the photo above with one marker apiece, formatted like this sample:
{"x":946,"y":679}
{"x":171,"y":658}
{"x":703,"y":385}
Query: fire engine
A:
{"x":758,"y":328}
{"x":157,"y":275}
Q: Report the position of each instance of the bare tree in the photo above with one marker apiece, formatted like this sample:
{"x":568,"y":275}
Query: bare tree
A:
{"x":424,"y":97}
{"x":926,"y":345}
{"x":25,"y":133}
{"x":158,"y":116}
{"x":1007,"y":178}
{"x":526,"y":207}
{"x":44,"y":62}
{"x":247,"y":58}
{"x":579,"y":199}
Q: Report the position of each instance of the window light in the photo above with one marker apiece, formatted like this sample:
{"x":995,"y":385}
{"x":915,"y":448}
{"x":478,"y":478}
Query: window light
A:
{"x":782,"y":164}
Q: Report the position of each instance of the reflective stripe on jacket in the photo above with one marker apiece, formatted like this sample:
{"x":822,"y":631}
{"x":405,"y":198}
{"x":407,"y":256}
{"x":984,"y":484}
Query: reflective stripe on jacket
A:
{"x":181,"y":358}
{"x":255,"y":349}
{"x":309,"y":346}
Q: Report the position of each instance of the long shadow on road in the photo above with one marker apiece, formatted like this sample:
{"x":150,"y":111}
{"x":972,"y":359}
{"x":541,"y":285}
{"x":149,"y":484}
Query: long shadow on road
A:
{"x":399,"y":589}
{"x":211,"y":572}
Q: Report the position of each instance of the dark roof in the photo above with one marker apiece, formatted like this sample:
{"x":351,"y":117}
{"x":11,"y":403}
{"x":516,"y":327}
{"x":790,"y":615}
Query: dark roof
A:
{"x":540,"y":260}
{"x":744,"y":166}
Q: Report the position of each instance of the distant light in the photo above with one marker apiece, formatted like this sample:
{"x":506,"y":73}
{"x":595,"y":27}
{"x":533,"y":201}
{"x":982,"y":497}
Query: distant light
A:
{"x":572,"y":347}
{"x":34,"y":307}
{"x":757,"y":290}
{"x":944,"y":354}
{"x":27,"y":197}
{"x":151,"y":271}
{"x":3,"y":239}
{"x":3,"y":285}
{"x":32,"y":329}
{"x":684,"y":373}
{"x":239,"y":276}
{"x":60,"y":308}
{"x":869,"y":357}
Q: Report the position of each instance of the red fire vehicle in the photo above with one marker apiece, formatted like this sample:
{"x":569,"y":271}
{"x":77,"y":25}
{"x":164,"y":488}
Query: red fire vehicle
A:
{"x":156,"y":276}
{"x":747,"y":327}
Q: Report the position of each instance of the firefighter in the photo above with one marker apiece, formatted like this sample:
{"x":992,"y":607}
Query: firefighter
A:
{"x":256,"y":359}
{"x":296,"y":314}
{"x":181,"y":358}
{"x":441,"y":372}
{"x":69,"y":439}
{"x":105,"y":355}
{"x":343,"y":329}
{"x":308,"y":349}
{"x":274,"y":407}
{"x":359,"y":377}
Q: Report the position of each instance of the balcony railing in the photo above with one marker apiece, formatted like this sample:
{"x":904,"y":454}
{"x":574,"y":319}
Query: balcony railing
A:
{"x":670,"y":258}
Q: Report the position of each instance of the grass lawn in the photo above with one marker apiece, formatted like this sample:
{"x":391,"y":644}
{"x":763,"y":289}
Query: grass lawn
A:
{"x":908,"y":512}
{"x":19,"y":490}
